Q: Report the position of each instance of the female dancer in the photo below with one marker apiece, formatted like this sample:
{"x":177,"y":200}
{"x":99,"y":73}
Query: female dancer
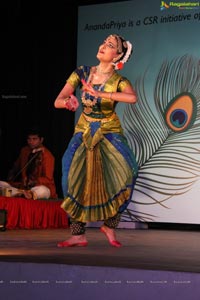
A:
{"x":99,"y":168}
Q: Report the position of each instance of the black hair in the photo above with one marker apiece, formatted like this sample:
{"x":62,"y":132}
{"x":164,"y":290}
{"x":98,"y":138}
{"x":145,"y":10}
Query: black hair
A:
{"x":124,"y":47}
{"x":34,"y":130}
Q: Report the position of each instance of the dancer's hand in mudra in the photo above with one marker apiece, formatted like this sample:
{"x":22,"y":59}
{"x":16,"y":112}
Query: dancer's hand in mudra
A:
{"x":87,"y":87}
{"x":72,"y":103}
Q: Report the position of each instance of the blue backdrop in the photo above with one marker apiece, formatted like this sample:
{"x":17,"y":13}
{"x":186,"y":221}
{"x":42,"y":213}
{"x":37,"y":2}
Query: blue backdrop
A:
{"x":163,"y":128}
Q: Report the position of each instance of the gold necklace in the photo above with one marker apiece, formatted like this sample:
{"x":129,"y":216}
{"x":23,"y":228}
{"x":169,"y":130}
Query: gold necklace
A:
{"x":88,"y":104}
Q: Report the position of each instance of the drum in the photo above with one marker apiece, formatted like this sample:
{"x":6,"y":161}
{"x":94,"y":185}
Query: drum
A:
{"x":7,"y":192}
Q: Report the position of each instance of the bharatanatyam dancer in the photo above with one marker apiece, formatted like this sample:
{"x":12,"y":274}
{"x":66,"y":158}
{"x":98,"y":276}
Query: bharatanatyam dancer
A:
{"x":99,"y":168}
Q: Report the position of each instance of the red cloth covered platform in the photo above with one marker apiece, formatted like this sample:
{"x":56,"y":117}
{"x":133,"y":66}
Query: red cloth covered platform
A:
{"x":33,"y":214}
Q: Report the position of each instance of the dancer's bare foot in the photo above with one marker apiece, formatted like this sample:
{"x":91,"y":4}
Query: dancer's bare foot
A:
{"x":75,"y":240}
{"x":110,"y":234}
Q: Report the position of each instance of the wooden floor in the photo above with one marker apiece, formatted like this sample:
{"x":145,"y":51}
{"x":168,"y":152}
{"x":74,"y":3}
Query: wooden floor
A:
{"x":146,"y":249}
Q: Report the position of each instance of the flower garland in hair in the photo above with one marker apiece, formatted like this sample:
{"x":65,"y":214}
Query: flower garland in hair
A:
{"x":119,"y":65}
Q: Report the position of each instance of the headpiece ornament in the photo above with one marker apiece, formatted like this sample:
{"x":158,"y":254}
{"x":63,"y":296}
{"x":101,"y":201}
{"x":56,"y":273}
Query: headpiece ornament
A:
{"x":120,"y":64}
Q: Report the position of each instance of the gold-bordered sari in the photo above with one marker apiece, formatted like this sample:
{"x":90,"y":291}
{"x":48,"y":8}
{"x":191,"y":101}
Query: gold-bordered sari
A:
{"x":99,"y":168}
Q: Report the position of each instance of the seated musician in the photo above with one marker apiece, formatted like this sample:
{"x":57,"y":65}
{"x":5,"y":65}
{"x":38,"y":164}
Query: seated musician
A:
{"x":32,"y":175}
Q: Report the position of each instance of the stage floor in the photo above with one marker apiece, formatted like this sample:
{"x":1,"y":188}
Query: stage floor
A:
{"x":145,"y":249}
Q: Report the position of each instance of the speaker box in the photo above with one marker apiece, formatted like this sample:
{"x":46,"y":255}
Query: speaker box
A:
{"x":3,"y":219}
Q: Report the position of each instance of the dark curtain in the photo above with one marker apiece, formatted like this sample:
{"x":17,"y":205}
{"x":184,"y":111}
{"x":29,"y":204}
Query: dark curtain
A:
{"x":38,"y":53}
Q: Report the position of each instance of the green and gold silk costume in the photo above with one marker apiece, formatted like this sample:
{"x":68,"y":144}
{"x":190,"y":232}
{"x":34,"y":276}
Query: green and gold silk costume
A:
{"x":99,"y":168}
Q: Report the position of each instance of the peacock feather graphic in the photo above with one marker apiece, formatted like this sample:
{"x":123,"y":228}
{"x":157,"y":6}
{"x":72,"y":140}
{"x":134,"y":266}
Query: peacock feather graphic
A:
{"x":165,"y":135}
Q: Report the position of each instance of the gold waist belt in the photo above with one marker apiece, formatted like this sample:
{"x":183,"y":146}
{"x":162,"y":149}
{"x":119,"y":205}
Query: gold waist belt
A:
{"x":104,"y":120}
